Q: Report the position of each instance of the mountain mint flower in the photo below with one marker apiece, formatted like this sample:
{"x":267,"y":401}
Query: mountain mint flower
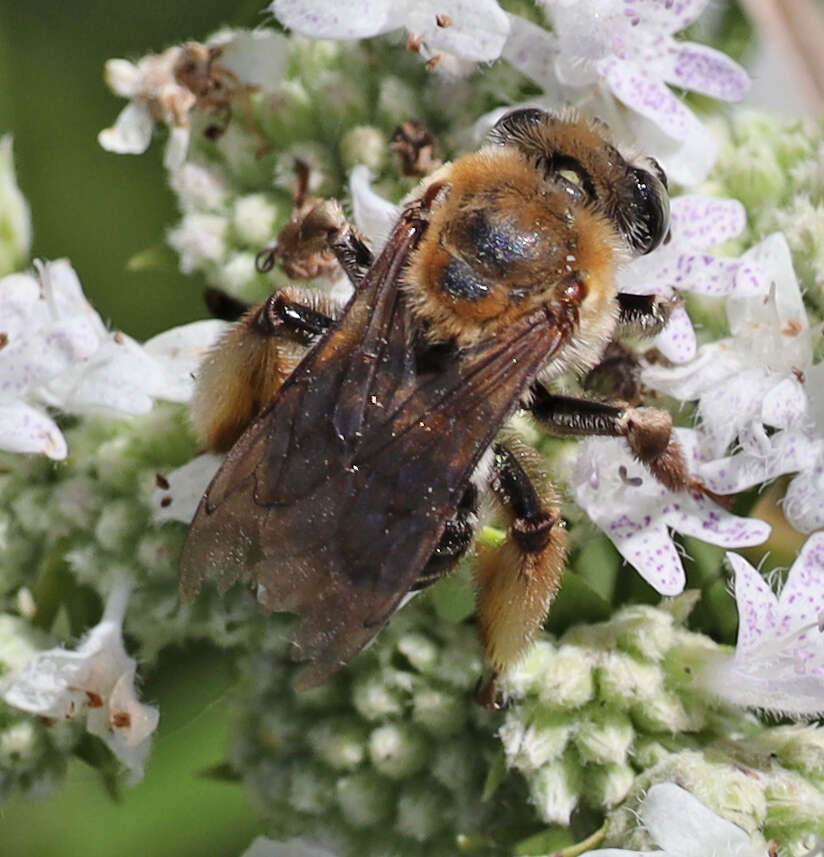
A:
{"x":167,"y":87}
{"x":96,"y":681}
{"x":623,"y":498}
{"x":473,"y":30}
{"x":753,"y":379}
{"x":697,"y":224}
{"x":681,"y":826}
{"x":778,"y":663}
{"x":626,"y":50}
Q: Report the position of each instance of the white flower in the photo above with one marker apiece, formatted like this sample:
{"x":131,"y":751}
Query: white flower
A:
{"x":682,"y":264}
{"x":199,"y":239}
{"x":750,"y":380}
{"x":778,"y":664}
{"x":623,"y":498}
{"x":96,"y":680}
{"x":373,"y":215}
{"x":15,"y":217}
{"x":167,"y":87}
{"x":58,"y":353}
{"x":472,"y":30}
{"x":682,"y":826}
{"x":178,"y":499}
{"x":627,"y":51}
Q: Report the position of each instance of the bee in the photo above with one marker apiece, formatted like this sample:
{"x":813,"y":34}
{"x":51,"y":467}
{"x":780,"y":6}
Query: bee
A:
{"x":362,"y":438}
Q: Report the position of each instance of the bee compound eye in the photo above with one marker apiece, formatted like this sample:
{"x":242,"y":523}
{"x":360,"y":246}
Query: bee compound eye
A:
{"x":513,"y":125}
{"x":648,"y":217}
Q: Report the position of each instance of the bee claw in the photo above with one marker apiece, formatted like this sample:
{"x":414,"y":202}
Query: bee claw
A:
{"x":489,"y":696}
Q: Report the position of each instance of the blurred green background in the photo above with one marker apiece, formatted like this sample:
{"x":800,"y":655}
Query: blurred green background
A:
{"x":99,"y":209}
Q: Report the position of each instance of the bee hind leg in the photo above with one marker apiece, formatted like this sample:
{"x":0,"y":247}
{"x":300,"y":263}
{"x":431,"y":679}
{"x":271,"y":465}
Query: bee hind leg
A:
{"x":518,"y":580}
{"x":455,"y":540}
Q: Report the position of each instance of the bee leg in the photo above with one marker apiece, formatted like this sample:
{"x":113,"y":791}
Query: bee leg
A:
{"x":246,"y":368}
{"x":643,"y":315}
{"x":518,"y":580}
{"x":648,"y":431}
{"x":456,"y":538}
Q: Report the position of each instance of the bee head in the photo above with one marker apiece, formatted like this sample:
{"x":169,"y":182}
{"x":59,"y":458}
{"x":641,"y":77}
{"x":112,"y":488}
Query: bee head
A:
{"x":578,"y":157}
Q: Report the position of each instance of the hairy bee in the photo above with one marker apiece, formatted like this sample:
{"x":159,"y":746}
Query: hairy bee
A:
{"x":360,"y":437}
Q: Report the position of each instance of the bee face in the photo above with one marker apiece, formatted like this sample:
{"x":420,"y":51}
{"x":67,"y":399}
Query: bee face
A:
{"x":578,"y":155}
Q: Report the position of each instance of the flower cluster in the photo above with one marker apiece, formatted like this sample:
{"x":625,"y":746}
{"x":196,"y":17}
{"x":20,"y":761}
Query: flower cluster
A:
{"x":626,"y":706}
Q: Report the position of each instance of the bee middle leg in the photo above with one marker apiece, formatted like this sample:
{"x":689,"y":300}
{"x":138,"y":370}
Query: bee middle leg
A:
{"x":648,"y":432}
{"x":518,"y":580}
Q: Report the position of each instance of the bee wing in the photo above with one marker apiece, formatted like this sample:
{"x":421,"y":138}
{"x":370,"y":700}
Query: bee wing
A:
{"x":335,"y":497}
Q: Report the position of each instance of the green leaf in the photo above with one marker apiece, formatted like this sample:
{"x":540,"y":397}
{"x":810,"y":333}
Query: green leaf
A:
{"x":497,"y":772}
{"x":157,"y":258}
{"x":546,"y":842}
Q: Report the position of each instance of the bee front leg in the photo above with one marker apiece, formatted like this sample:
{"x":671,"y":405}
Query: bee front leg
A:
{"x":518,"y":580}
{"x":648,"y":431}
{"x":643,"y":315}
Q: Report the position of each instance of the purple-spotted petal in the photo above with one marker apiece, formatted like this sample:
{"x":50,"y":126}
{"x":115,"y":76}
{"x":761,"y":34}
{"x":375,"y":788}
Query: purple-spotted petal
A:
{"x":756,"y":602}
{"x":712,"y":365}
{"x":344,"y":19}
{"x":801,"y":601}
{"x":785,"y":404}
{"x":668,"y":17}
{"x":677,"y":340}
{"x":698,"y":516}
{"x":703,"y":69}
{"x":702,"y":222}
{"x":30,"y":361}
{"x":804,"y":501}
{"x":24,"y":429}
{"x":649,"y":97}
{"x":532,"y":50}
{"x":790,"y":452}
{"x":649,"y":548}
{"x":477,"y":31}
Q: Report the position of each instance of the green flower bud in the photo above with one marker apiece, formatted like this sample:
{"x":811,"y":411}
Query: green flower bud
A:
{"x":608,"y":785}
{"x":339,"y":742}
{"x":532,"y":740}
{"x":623,"y":681}
{"x":253,"y":219}
{"x":397,"y":750}
{"x":422,"y":811}
{"x":555,"y":789}
{"x":365,"y":798}
{"x":364,"y":144}
{"x":374,"y":698}
{"x":604,"y":736}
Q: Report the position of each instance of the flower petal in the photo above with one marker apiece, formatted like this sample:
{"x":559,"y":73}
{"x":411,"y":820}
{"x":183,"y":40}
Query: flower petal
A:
{"x":789,"y":452}
{"x":668,"y":17}
{"x":187,"y":485}
{"x":256,"y":57}
{"x":178,"y":353}
{"x":757,"y":603}
{"x":703,"y":69}
{"x":373,"y":215}
{"x":345,"y":19}
{"x":24,"y":429}
{"x":696,"y":515}
{"x":701,"y":222}
{"x":677,"y":340}
{"x":651,"y":98}
{"x":804,"y":501}
{"x":802,"y":599}
{"x":532,"y":50}
{"x":684,"y":826}
{"x":131,"y":132}
{"x":477,"y":31}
